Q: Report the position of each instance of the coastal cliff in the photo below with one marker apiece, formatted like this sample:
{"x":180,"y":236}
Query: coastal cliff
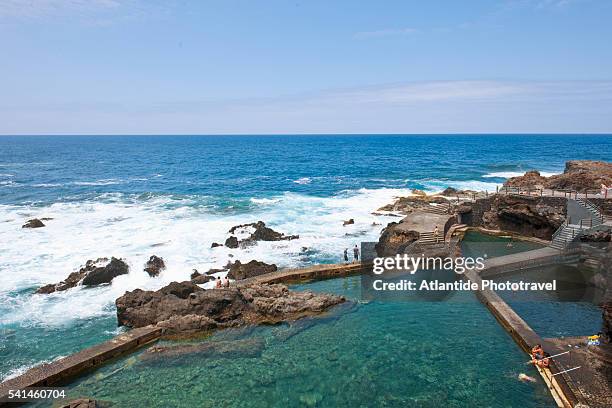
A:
{"x":579,"y":175}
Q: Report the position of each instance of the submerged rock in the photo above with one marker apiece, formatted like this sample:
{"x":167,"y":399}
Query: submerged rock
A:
{"x":84,"y":403}
{"x":240,"y":271}
{"x":215,"y":245}
{"x":33,"y":223}
{"x":185,"y":307}
{"x":244,"y":348}
{"x":93,"y":273}
{"x":154,"y":265}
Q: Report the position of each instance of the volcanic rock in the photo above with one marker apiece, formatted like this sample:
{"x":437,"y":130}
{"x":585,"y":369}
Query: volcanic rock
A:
{"x":579,"y":175}
{"x":261,"y":233}
{"x":107,"y":273}
{"x":33,"y":223}
{"x":93,"y":273}
{"x":231,"y":242}
{"x":154,"y":265}
{"x":348,"y":222}
{"x":394,"y":239}
{"x":240,"y":271}
{"x":215,"y":245}
{"x":185,"y":307}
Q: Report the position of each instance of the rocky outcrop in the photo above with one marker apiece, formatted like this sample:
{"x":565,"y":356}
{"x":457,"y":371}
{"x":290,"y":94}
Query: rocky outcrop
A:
{"x":93,"y":273}
{"x":261,"y":233}
{"x":450,"y":191}
{"x":601,"y":236}
{"x":530,"y":216}
{"x":215,"y":245}
{"x":199,"y":278}
{"x":231,"y":242}
{"x":154,"y":265}
{"x":33,"y":223}
{"x":105,"y":274}
{"x":407,"y":205}
{"x":531,"y":179}
{"x":394,"y":239}
{"x":238,"y":270}
{"x":185,"y":307}
{"x":579,"y":175}
{"x":350,"y":221}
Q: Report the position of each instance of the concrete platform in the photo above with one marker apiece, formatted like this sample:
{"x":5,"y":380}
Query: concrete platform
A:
{"x":62,"y":370}
{"x":525,"y":337}
{"x":593,"y":380}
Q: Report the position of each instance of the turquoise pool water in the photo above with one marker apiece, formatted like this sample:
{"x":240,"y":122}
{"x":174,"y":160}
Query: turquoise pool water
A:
{"x":418,"y":354}
{"x":549,"y":314}
{"x":553,"y":314}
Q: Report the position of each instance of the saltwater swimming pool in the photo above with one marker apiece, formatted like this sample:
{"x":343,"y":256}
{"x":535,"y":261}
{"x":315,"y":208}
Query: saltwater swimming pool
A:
{"x":392,"y":354}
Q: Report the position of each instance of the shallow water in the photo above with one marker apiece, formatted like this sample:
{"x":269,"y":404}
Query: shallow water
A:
{"x":420,"y":354}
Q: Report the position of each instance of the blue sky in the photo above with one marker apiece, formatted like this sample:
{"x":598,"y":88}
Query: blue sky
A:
{"x":215,"y":67}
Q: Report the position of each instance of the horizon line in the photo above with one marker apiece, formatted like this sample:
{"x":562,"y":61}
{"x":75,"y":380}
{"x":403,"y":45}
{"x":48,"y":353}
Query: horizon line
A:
{"x":310,"y":134}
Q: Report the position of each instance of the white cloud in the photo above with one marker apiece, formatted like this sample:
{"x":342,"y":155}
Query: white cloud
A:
{"x":417,"y":107}
{"x":387,"y":32}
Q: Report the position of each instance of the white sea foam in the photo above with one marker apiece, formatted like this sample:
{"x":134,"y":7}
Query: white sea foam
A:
{"x":182,"y":234}
{"x":303,"y":180}
{"x":105,"y":182}
{"x":265,"y":200}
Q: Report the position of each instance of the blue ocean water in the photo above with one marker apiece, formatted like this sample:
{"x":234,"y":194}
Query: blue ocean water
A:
{"x":48,"y":169}
{"x":173,"y":196}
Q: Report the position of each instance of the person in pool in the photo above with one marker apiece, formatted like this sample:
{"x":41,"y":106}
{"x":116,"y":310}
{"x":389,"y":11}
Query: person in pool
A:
{"x":537,"y":353}
{"x":545,"y":361}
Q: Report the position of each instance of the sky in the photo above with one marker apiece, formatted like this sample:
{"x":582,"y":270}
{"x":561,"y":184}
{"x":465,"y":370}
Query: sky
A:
{"x":286,"y":67}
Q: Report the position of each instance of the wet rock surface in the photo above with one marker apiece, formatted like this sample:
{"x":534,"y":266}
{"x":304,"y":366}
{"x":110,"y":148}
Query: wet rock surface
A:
{"x":231,"y":242}
{"x":260,"y":233}
{"x":185,"y":307}
{"x":252,"y":347}
{"x":33,"y":223}
{"x":154,"y":265}
{"x":239,"y":271}
{"x":93,"y":273}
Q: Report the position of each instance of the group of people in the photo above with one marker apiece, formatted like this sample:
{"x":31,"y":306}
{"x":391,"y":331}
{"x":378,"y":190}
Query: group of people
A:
{"x":539,"y":357}
{"x":355,"y":254}
{"x":222,"y":283}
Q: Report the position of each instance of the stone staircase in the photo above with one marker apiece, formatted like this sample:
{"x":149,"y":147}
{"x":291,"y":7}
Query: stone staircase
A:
{"x":597,"y":217}
{"x":427,"y":238}
{"x":564,"y":235}
{"x":437,"y":209}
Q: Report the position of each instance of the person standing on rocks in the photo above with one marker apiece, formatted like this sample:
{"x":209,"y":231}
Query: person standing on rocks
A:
{"x":226,"y":282}
{"x":436,"y":234}
{"x":346,"y":260}
{"x":356,"y":254}
{"x":218,"y":283}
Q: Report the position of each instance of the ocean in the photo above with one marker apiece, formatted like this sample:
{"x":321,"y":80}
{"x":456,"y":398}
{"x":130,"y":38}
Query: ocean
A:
{"x":173,"y":196}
